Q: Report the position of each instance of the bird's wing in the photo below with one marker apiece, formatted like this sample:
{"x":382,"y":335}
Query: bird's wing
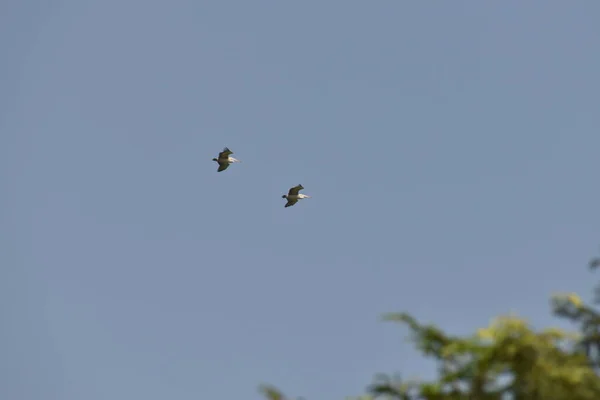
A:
{"x":290,"y":203}
{"x":223,"y":167}
{"x":294,"y":191}
{"x":225,"y":153}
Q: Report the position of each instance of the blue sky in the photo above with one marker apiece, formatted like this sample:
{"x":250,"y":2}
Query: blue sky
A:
{"x":451,"y":149}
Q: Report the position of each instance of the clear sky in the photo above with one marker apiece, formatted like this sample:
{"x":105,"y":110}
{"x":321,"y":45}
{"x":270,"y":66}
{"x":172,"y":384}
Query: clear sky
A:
{"x":451,"y":149}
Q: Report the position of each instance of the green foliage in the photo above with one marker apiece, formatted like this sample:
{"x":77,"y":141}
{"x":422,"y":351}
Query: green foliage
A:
{"x":271,"y":392}
{"x":506,"y":360}
{"x":571,"y":307}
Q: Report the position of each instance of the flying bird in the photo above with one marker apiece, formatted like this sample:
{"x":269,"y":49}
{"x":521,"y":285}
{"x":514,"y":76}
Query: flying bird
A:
{"x":293,"y":196}
{"x":225,"y":159}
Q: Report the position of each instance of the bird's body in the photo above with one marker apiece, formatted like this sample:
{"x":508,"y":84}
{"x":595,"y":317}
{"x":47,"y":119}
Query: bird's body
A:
{"x":293,"y":196}
{"x":225,"y":159}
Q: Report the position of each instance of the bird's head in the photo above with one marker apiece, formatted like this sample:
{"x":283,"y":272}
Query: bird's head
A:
{"x":214,"y":159}
{"x":284,"y":196}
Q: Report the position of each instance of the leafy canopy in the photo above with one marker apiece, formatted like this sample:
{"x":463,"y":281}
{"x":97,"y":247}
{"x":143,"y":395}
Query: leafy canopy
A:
{"x":506,"y":360}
